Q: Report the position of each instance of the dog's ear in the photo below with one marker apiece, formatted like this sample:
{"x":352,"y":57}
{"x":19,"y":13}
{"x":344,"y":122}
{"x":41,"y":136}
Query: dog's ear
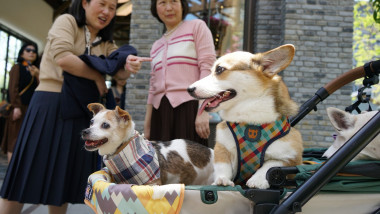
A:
{"x":95,"y":107}
{"x":123,"y":114}
{"x":341,"y":120}
{"x":277,"y":59}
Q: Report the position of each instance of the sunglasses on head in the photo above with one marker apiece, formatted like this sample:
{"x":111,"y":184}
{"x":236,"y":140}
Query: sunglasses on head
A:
{"x":30,"y":49}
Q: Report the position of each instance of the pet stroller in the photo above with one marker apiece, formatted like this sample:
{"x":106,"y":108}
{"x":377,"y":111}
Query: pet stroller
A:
{"x":316,"y":188}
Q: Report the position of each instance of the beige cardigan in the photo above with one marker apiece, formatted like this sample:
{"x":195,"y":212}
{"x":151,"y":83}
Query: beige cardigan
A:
{"x":64,"y":38}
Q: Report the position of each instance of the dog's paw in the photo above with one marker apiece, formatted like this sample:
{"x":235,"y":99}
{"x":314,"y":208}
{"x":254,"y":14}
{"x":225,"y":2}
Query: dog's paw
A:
{"x":258,"y":183}
{"x":223,"y":181}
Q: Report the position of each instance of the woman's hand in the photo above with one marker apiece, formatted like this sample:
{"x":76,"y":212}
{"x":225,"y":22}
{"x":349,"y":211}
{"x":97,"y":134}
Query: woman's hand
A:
{"x":34,"y":71}
{"x":16,"y":114}
{"x":202,"y":126}
{"x":133,"y":63}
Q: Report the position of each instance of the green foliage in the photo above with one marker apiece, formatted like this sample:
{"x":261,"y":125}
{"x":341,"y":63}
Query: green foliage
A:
{"x":366,"y":38}
{"x":376,"y":11}
{"x":366,"y":34}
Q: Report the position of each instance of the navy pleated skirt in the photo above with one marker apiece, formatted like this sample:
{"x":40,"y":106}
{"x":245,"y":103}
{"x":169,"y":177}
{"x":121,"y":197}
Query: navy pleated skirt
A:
{"x":49,"y":164}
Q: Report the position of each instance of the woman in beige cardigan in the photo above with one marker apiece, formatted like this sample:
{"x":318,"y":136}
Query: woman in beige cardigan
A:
{"x":49,"y":165}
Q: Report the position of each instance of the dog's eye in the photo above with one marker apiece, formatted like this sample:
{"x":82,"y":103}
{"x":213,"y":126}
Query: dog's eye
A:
{"x":219,"y":69}
{"x":105,"y":125}
{"x":91,"y":122}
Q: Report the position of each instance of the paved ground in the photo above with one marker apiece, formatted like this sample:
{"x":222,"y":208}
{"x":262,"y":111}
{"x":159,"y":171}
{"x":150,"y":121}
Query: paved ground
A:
{"x":3,"y":166}
{"x":41,"y":209}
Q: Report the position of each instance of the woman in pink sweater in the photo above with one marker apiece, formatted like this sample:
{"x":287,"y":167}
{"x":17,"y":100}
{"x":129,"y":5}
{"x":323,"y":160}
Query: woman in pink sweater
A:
{"x":183,"y":55}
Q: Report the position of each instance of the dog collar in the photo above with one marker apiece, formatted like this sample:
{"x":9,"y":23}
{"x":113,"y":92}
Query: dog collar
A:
{"x":137,"y":163}
{"x":123,"y":145}
{"x":252,"y":142}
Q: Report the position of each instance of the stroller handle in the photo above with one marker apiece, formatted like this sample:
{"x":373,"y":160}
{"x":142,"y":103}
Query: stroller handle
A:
{"x":356,"y":73}
{"x":375,"y":66}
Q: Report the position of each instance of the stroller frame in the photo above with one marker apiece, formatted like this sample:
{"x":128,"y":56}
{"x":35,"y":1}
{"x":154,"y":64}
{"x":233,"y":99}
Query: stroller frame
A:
{"x":269,"y":199}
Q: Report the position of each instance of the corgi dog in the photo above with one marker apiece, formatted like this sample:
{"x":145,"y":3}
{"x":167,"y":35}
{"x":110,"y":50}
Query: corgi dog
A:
{"x":255,"y":104}
{"x":131,"y":158}
{"x":346,"y":125}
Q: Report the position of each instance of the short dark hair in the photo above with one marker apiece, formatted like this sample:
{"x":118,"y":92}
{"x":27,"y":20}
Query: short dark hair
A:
{"x":153,"y":9}
{"x":23,"y":47}
{"x":76,"y":9}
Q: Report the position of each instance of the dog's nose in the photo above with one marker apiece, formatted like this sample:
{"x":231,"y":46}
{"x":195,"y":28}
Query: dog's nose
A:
{"x":85,"y":132}
{"x":191,"y":90}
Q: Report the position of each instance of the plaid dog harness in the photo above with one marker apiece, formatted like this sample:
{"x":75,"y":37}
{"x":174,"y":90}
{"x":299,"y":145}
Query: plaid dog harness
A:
{"x":252,"y":142}
{"x":136,"y":163}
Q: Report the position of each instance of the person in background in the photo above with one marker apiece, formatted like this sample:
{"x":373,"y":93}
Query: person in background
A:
{"x":183,"y":55}
{"x":49,"y":164}
{"x":23,"y":80}
{"x":118,"y":86}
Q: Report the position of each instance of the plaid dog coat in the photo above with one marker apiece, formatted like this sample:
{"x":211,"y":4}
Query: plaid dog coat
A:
{"x":252,"y":142}
{"x":136,"y":163}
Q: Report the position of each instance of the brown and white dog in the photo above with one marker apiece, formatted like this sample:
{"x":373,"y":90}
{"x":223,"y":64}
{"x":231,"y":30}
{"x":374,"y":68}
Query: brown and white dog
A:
{"x":251,"y":98}
{"x":346,"y":125}
{"x":133,"y":159}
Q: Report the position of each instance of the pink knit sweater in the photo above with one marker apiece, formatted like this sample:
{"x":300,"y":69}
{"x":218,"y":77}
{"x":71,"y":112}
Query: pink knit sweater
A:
{"x":180,"y":60}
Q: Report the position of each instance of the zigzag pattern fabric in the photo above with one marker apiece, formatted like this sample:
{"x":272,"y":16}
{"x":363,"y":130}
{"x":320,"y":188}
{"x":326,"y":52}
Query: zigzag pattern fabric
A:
{"x":252,"y":142}
{"x":103,"y":196}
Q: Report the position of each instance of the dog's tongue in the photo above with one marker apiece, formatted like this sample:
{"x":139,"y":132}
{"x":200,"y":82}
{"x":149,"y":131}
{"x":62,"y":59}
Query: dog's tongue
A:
{"x":212,"y":102}
{"x":93,"y":143}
